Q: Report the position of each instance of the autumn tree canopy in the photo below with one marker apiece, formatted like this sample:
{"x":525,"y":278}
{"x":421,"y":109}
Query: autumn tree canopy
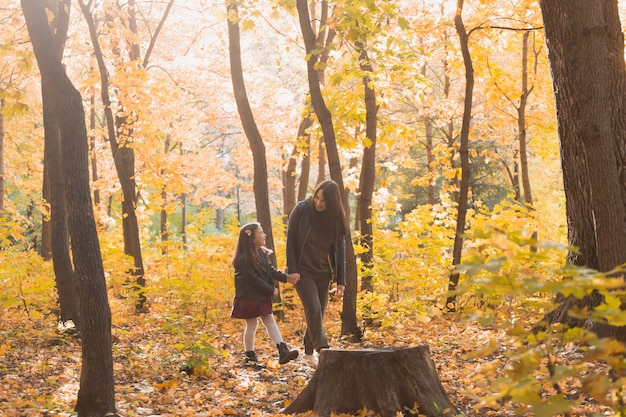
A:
{"x":439,"y":120}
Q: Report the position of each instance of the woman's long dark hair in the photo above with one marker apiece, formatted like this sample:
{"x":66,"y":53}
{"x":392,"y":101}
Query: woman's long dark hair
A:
{"x":246,"y":256}
{"x":331,"y":222}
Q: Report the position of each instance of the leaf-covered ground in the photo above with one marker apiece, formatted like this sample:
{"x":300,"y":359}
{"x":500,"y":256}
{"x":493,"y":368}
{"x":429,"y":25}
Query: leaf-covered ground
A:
{"x":167,"y":364}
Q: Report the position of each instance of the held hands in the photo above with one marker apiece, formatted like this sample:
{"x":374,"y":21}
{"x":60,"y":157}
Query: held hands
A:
{"x":339,"y":290}
{"x":275,"y":291}
{"x":293,"y":278}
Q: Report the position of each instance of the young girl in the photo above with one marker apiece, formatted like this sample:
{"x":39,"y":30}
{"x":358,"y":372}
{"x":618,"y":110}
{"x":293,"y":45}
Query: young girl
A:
{"x":254,"y":287}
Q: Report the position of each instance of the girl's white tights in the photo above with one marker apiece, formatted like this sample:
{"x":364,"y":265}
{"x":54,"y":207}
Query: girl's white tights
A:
{"x":251,"y":326}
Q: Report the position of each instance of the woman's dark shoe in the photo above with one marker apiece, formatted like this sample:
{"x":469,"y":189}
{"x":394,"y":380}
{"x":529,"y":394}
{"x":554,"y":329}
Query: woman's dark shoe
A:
{"x":252,"y":360}
{"x":284,"y":354}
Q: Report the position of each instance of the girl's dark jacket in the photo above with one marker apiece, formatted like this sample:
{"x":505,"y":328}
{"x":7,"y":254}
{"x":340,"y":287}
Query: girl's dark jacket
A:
{"x":298,"y":230}
{"x":258,"y":284}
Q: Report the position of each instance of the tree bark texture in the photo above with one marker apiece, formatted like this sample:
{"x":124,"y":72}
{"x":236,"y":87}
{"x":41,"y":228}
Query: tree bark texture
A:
{"x":368,"y":170}
{"x":383,"y":380}
{"x":463,"y":150}
{"x":260,"y":186}
{"x":96,"y":393}
{"x":60,"y":241}
{"x":53,"y":190}
{"x":60,"y":11}
{"x":577,"y":34}
{"x":349,"y":326}
{"x":585,"y":50}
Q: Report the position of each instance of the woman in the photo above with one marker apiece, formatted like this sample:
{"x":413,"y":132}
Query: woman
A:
{"x":254,"y":287}
{"x":316,"y":250}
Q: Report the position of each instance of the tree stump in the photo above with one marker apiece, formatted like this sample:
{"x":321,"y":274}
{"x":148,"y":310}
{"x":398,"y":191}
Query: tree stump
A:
{"x":384,"y":380}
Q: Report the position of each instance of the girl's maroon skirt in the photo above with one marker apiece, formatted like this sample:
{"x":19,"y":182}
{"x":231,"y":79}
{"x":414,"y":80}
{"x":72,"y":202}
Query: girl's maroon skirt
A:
{"x":244,"y":308}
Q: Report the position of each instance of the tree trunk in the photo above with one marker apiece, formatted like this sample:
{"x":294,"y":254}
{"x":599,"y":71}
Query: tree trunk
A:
{"x":585,"y":49}
{"x":92,"y":148}
{"x":349,"y":325}
{"x":464,"y":153}
{"x":124,"y":159}
{"x":368,"y":170}
{"x":521,"y":126}
{"x":321,"y":161}
{"x":261,"y":192}
{"x":289,"y":182}
{"x":60,"y":242}
{"x":96,"y":393}
{"x":305,"y":171}
{"x":60,"y":12}
{"x":55,"y":235}
{"x":165,"y":235}
{"x":387,"y":381}
{"x":2,"y":104}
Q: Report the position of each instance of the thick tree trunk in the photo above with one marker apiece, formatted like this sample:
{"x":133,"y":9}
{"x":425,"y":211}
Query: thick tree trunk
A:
{"x":55,"y":235}
{"x":349,"y":325}
{"x":386,"y":381}
{"x":261,"y":192}
{"x":96,"y":393}
{"x":463,"y":151}
{"x":60,"y":242}
{"x":585,"y":49}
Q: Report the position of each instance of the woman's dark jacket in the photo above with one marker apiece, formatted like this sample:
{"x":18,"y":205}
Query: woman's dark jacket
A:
{"x":298,"y":230}
{"x":258,"y":284}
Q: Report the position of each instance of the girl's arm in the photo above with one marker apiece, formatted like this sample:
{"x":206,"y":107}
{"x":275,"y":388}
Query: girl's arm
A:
{"x":258,"y":283}
{"x":276,"y":274}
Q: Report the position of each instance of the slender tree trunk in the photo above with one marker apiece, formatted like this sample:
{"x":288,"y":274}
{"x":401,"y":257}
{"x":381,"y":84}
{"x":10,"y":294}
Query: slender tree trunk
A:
{"x":449,"y":133}
{"x":321,"y":161}
{"x":261,"y":192}
{"x":349,"y":325}
{"x":521,"y":126}
{"x":368,"y":170}
{"x":305,"y":171}
{"x":96,"y":395}
{"x":428,"y":130}
{"x":92,"y":148}
{"x":123,"y":157}
{"x":163,"y":223}
{"x":183,"y":219}
{"x":2,"y":104}
{"x":289,"y":179}
{"x":430,"y":159}
{"x":464,"y":153}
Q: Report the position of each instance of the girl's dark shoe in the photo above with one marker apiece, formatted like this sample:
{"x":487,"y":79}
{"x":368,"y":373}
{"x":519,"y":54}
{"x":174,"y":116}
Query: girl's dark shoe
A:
{"x":252,"y":360}
{"x":284,"y":354}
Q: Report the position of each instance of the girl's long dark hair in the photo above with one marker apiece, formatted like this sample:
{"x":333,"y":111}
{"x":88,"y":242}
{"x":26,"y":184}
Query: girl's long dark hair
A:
{"x":246,"y":256}
{"x":331,"y":222}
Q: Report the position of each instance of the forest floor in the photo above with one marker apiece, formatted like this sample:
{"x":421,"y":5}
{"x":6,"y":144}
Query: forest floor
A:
{"x":40,"y":366}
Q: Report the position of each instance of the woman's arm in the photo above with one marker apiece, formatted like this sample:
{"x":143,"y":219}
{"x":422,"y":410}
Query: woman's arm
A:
{"x":340,"y":260}
{"x":292,"y":237}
